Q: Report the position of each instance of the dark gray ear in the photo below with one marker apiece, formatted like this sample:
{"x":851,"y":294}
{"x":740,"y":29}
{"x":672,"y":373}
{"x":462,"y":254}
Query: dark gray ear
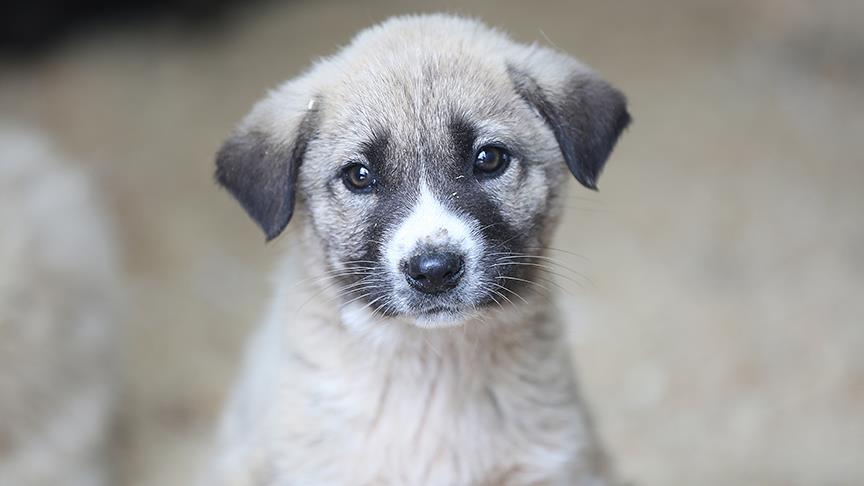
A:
{"x":260,"y":173}
{"x":586,"y":114}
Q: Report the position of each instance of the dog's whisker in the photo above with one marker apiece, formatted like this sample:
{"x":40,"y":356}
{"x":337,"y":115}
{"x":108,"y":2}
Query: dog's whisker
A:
{"x":384,"y":309}
{"x":484,"y":228}
{"x":545,"y":269}
{"x":337,"y":276}
{"x":352,"y":292}
{"x":478,"y":316}
{"x":557,"y":285}
{"x":368,"y":304}
{"x":323,"y":289}
{"x":517,"y":279}
{"x":330,"y":273}
{"x":500,"y":295}
{"x":529,"y":256}
{"x":369,"y":287}
{"x":559,"y":250}
{"x":490,"y":291}
{"x":370,"y":280}
{"x":336,"y":282}
{"x":544,"y":260}
{"x":511,"y":291}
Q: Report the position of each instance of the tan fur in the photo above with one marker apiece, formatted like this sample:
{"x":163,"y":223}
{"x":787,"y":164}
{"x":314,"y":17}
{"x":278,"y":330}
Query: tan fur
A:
{"x":336,"y":394}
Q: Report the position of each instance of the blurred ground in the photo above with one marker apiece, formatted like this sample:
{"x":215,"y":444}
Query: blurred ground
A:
{"x":720,"y":342}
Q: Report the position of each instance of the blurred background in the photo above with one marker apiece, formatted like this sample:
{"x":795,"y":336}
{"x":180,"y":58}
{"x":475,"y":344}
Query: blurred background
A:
{"x":720,"y":339}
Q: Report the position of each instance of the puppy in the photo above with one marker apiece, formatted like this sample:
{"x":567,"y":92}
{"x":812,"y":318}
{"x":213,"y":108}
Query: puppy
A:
{"x":424,"y":167}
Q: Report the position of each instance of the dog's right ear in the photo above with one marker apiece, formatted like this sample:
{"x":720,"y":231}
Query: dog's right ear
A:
{"x":586,"y":113}
{"x":259,"y":166}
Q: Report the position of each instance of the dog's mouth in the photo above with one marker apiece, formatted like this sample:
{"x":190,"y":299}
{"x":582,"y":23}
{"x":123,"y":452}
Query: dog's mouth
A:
{"x":384,"y":293}
{"x":490,"y":294}
{"x":436,"y":310}
{"x":439,"y":316}
{"x":395,"y":299}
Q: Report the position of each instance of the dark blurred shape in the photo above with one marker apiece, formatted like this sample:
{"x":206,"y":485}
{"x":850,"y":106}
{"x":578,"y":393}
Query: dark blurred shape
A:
{"x":35,"y":25}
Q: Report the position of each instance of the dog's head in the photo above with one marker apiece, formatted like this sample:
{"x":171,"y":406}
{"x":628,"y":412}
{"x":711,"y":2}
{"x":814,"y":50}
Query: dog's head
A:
{"x":426,"y":160}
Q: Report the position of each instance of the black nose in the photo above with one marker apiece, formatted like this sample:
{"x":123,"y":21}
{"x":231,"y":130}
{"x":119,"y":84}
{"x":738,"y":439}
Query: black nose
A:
{"x":434,"y":272}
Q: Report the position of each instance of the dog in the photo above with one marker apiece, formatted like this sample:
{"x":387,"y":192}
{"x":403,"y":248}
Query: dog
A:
{"x":58,"y":318}
{"x":424,"y":166}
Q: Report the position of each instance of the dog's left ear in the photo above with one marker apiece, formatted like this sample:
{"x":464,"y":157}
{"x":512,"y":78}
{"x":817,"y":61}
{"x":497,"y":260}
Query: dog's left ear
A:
{"x":586,"y":114}
{"x":258,"y":163}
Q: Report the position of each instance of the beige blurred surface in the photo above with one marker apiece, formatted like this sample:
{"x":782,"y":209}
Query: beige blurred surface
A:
{"x":720,"y":341}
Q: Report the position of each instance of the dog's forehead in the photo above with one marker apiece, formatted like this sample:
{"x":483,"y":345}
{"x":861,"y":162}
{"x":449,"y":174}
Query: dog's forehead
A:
{"x":420,"y":93}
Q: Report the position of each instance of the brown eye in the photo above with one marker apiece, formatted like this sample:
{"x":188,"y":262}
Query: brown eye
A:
{"x":358,"y":178}
{"x":491,"y":161}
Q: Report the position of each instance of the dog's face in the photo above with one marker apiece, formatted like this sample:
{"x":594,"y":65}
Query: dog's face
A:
{"x":427,"y":159}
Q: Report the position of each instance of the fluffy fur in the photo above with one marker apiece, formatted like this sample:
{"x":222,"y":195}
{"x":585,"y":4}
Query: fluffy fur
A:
{"x":56,"y":319}
{"x":371,"y":381}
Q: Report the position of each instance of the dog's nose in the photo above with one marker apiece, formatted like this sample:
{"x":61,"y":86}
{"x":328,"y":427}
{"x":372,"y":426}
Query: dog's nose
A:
{"x":434,"y":272}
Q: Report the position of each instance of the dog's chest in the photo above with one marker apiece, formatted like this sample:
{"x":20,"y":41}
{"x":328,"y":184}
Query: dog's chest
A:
{"x":444,"y":425}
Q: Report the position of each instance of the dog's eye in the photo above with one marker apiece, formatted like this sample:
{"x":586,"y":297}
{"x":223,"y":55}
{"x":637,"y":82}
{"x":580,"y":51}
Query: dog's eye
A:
{"x":491,"y":161}
{"x":358,"y":178}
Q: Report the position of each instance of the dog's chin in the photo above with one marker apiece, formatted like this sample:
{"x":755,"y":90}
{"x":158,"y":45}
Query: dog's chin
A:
{"x":440,"y":317}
